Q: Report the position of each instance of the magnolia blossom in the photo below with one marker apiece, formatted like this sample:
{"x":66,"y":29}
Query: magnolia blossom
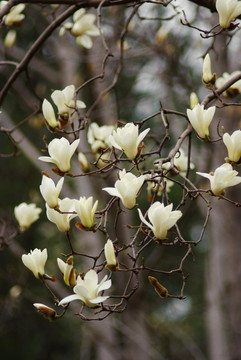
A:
{"x":227,"y":10}
{"x":193,"y":100}
{"x":98,"y":136}
{"x":88,"y":289}
{"x":61,"y":151}
{"x":35,"y":261}
{"x":26,"y":214}
{"x":49,"y":191}
{"x":126,"y":188}
{"x":200,"y":119}
{"x":14,"y":16}
{"x":111,"y":261}
{"x":65,"y":100}
{"x":207,"y":75}
{"x":223,"y":177}
{"x":68,"y":271}
{"x":162,"y":218}
{"x":235,"y":88}
{"x":180,"y":161}
{"x":233,"y":144}
{"x":83,"y":28}
{"x":49,"y":115}
{"x":62,"y":221}
{"x":86,"y":210}
{"x":127,"y":139}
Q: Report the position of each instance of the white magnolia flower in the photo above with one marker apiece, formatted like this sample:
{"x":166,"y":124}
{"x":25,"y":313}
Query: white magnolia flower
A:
{"x":98,"y":136}
{"x":49,"y":115}
{"x":126,"y":188}
{"x":227,"y":10}
{"x":10,"y":38}
{"x":193,"y":100}
{"x":14,"y":16}
{"x":111,"y":261}
{"x":86,"y":210}
{"x":62,"y":221}
{"x":234,"y":89}
{"x":68,"y":271}
{"x":207,"y":75}
{"x":61,"y":151}
{"x":49,"y":191}
{"x":88,"y":289}
{"x":128,"y":139}
{"x":83,"y":28}
{"x":180,"y":161}
{"x":233,"y":144}
{"x":224,"y":176}
{"x":162,"y":218}
{"x":35,"y":261}
{"x":200,"y":119}
{"x":65,"y":100}
{"x":26,"y":214}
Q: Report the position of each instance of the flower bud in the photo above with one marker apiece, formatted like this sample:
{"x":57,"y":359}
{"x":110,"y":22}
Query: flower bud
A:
{"x":111,"y":261}
{"x":46,"y":311}
{"x":193,"y":100}
{"x":49,"y":115}
{"x":85,"y":165}
{"x":160,"y":290}
{"x":10,"y":38}
{"x":208,"y":77}
{"x":68,"y":271}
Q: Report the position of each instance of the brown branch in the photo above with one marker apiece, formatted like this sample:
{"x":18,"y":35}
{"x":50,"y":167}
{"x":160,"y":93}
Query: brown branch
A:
{"x":34,"y":48}
{"x":220,"y":90}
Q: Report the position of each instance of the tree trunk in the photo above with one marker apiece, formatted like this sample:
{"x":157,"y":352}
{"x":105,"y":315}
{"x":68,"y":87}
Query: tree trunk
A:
{"x":224,"y":267}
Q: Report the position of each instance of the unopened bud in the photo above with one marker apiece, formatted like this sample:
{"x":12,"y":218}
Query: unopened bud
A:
{"x":68,"y":271}
{"x":46,"y":311}
{"x":207,"y":76}
{"x":10,"y":38}
{"x":111,"y":261}
{"x":193,"y":100}
{"x":161,"y":290}
{"x":85,"y":166}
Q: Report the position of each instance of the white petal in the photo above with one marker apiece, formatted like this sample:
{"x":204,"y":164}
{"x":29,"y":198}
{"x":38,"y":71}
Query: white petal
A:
{"x":99,"y":299}
{"x":68,"y":299}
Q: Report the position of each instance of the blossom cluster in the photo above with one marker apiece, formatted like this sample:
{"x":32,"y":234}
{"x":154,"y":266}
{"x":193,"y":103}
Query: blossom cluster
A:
{"x":123,"y":151}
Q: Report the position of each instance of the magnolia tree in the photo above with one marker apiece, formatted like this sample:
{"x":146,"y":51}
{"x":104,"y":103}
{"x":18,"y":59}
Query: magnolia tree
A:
{"x":135,"y":167}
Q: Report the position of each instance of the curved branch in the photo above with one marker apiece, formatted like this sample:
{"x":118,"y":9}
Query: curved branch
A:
{"x":34,"y":48}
